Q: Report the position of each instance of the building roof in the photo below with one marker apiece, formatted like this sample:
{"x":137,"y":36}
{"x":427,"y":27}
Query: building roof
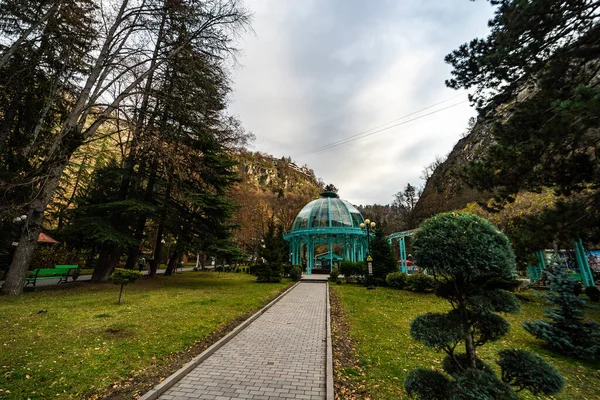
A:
{"x":329,"y":211}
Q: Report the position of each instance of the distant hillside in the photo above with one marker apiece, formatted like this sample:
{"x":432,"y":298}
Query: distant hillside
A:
{"x":271,"y":191}
{"x":445,"y":190}
{"x":274,"y":174}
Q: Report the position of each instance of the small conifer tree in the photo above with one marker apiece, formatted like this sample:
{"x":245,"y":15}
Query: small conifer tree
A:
{"x":567,"y":332}
{"x":473,"y":264}
{"x":384,"y":261}
{"x":124,"y":277}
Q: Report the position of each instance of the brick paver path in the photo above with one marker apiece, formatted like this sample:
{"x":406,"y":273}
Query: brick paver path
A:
{"x":281,"y":355}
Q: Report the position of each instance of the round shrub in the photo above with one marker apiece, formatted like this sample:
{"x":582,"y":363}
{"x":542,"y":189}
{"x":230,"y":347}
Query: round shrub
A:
{"x":396,"y":280}
{"x":489,"y":328}
{"x":593,"y":293}
{"x":463,"y":244}
{"x":334,"y":275}
{"x":124,"y":277}
{"x":497,"y":300}
{"x":476,"y":384}
{"x":525,"y":370}
{"x":295,"y":273}
{"x":459,"y":363}
{"x":436,"y":330}
{"x":420,"y":282}
{"x":425,"y":384}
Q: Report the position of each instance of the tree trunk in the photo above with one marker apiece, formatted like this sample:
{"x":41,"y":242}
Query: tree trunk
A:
{"x":109,"y":256}
{"x":157,"y":250}
{"x":121,"y":292}
{"x":15,"y":278}
{"x":134,"y":252}
{"x":172,"y":261}
{"x":469,"y":344}
{"x":9,"y":119}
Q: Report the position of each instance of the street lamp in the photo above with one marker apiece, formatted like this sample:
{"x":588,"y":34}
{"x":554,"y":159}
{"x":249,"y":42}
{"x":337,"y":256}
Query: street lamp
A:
{"x":369,"y":227}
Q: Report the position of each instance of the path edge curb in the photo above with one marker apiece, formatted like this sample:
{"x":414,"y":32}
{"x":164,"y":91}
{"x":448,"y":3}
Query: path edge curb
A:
{"x":329,"y":388}
{"x":172,"y":379}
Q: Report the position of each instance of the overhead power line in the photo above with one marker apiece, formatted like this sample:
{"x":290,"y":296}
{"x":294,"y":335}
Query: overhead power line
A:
{"x":375,"y":130}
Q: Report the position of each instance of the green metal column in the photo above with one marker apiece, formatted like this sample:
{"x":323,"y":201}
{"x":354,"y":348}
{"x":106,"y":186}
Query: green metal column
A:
{"x":535,"y":271}
{"x":295,"y":250}
{"x":582,"y":262}
{"x":310,"y":260}
{"x":402,"y":252}
{"x":330,"y":253}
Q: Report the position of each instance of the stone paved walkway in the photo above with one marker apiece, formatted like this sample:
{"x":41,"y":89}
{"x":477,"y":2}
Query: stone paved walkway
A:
{"x":281,"y":355}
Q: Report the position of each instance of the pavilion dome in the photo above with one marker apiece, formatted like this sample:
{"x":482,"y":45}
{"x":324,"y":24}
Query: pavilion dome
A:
{"x":329,"y":211}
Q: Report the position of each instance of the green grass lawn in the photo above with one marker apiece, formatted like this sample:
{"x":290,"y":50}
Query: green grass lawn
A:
{"x":86,"y":343}
{"x":380,"y":319}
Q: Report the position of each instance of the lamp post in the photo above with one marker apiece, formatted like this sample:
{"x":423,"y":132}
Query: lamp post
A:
{"x":369,"y":226}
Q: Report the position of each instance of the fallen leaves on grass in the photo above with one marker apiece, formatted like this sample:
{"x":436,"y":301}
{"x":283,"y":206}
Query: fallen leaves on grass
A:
{"x":348,"y":376}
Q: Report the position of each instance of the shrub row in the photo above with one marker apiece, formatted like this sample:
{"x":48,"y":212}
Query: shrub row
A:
{"x":267,"y":272}
{"x":415,"y":282}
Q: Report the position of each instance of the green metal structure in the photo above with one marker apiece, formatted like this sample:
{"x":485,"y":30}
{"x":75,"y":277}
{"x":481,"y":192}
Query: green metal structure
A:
{"x":401,"y":237}
{"x":329,"y":221}
{"x":535,"y":271}
{"x":582,"y":262}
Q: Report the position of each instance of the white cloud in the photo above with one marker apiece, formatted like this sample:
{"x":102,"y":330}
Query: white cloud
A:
{"x":317,"y":72}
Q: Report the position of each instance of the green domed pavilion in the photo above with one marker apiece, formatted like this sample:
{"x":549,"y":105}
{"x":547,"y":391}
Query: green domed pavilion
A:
{"x":329,"y":221}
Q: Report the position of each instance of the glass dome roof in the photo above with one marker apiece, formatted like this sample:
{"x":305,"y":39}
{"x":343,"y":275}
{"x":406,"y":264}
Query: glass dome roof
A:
{"x":328,"y":212}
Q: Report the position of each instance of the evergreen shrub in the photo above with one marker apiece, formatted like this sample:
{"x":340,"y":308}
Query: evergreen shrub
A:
{"x":353,"y":270}
{"x":568,"y":332}
{"x":524,"y":370}
{"x":266,"y":273}
{"x":384,"y":261}
{"x":455,"y":365}
{"x":420,"y":282}
{"x":425,"y":384}
{"x":396,"y":280}
{"x":477,"y":384}
{"x":124,"y":277}
{"x":296,"y":273}
{"x":334,"y":275}
{"x":473,"y":265}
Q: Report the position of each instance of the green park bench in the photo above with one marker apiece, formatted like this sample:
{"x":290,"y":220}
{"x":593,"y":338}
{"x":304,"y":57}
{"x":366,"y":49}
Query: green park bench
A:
{"x":63,"y":272}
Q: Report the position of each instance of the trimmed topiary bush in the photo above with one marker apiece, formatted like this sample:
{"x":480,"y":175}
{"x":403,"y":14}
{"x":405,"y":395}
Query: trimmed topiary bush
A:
{"x":425,"y":384}
{"x":420,"y":283}
{"x":472,"y":264}
{"x":438,"y":331}
{"x":524,"y":370}
{"x":477,"y":384}
{"x":124,"y":277}
{"x":396,"y":280}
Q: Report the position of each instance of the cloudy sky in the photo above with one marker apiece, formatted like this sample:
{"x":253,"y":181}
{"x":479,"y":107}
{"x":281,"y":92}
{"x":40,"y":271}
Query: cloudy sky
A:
{"x":317,"y":72}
